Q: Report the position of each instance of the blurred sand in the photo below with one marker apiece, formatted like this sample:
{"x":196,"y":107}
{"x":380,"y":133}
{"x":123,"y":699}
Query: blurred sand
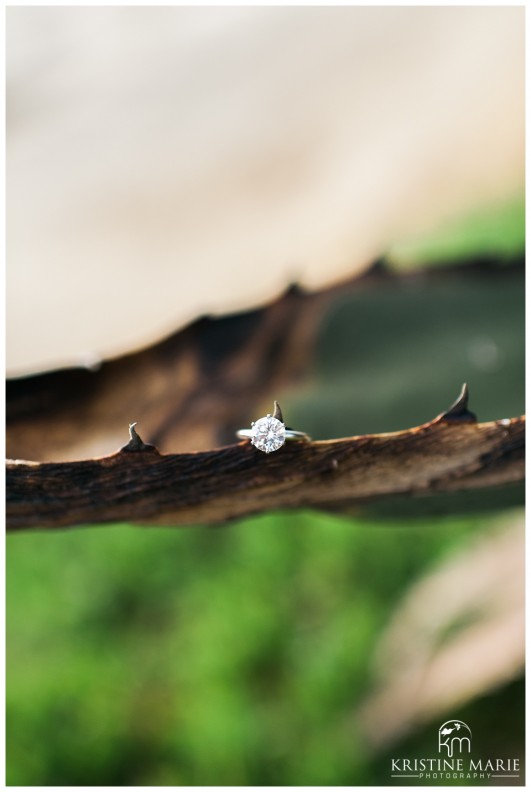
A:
{"x":166,"y":162}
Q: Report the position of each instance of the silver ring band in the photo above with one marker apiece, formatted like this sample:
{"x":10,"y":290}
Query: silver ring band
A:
{"x":290,"y":434}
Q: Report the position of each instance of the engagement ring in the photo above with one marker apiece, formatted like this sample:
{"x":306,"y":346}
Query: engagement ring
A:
{"x":270,"y":433}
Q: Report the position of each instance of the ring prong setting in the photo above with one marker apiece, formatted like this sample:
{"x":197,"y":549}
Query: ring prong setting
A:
{"x":268,"y":434}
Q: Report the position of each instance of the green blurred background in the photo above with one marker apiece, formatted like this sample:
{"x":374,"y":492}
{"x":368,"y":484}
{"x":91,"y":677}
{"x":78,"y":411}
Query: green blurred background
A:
{"x":243,"y":655}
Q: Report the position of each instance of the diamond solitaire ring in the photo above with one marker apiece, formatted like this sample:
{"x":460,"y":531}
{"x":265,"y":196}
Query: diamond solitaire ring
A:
{"x":270,"y":433}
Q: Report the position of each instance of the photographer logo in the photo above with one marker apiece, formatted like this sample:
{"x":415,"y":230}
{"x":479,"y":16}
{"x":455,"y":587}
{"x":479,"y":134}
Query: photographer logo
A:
{"x":456,"y":761}
{"x":454,"y":736}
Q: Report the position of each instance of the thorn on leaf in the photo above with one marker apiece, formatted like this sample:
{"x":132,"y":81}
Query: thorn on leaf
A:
{"x":135,"y":441}
{"x":459,"y":410}
{"x":277,"y":412}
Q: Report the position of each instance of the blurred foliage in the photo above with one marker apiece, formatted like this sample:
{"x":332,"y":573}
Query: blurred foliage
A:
{"x":396,"y":354}
{"x":494,"y":231}
{"x":238,"y":655}
{"x":204,"y":656}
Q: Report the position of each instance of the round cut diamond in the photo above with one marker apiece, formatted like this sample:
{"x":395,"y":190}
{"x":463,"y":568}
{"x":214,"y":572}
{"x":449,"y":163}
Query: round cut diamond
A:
{"x":268,"y":434}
